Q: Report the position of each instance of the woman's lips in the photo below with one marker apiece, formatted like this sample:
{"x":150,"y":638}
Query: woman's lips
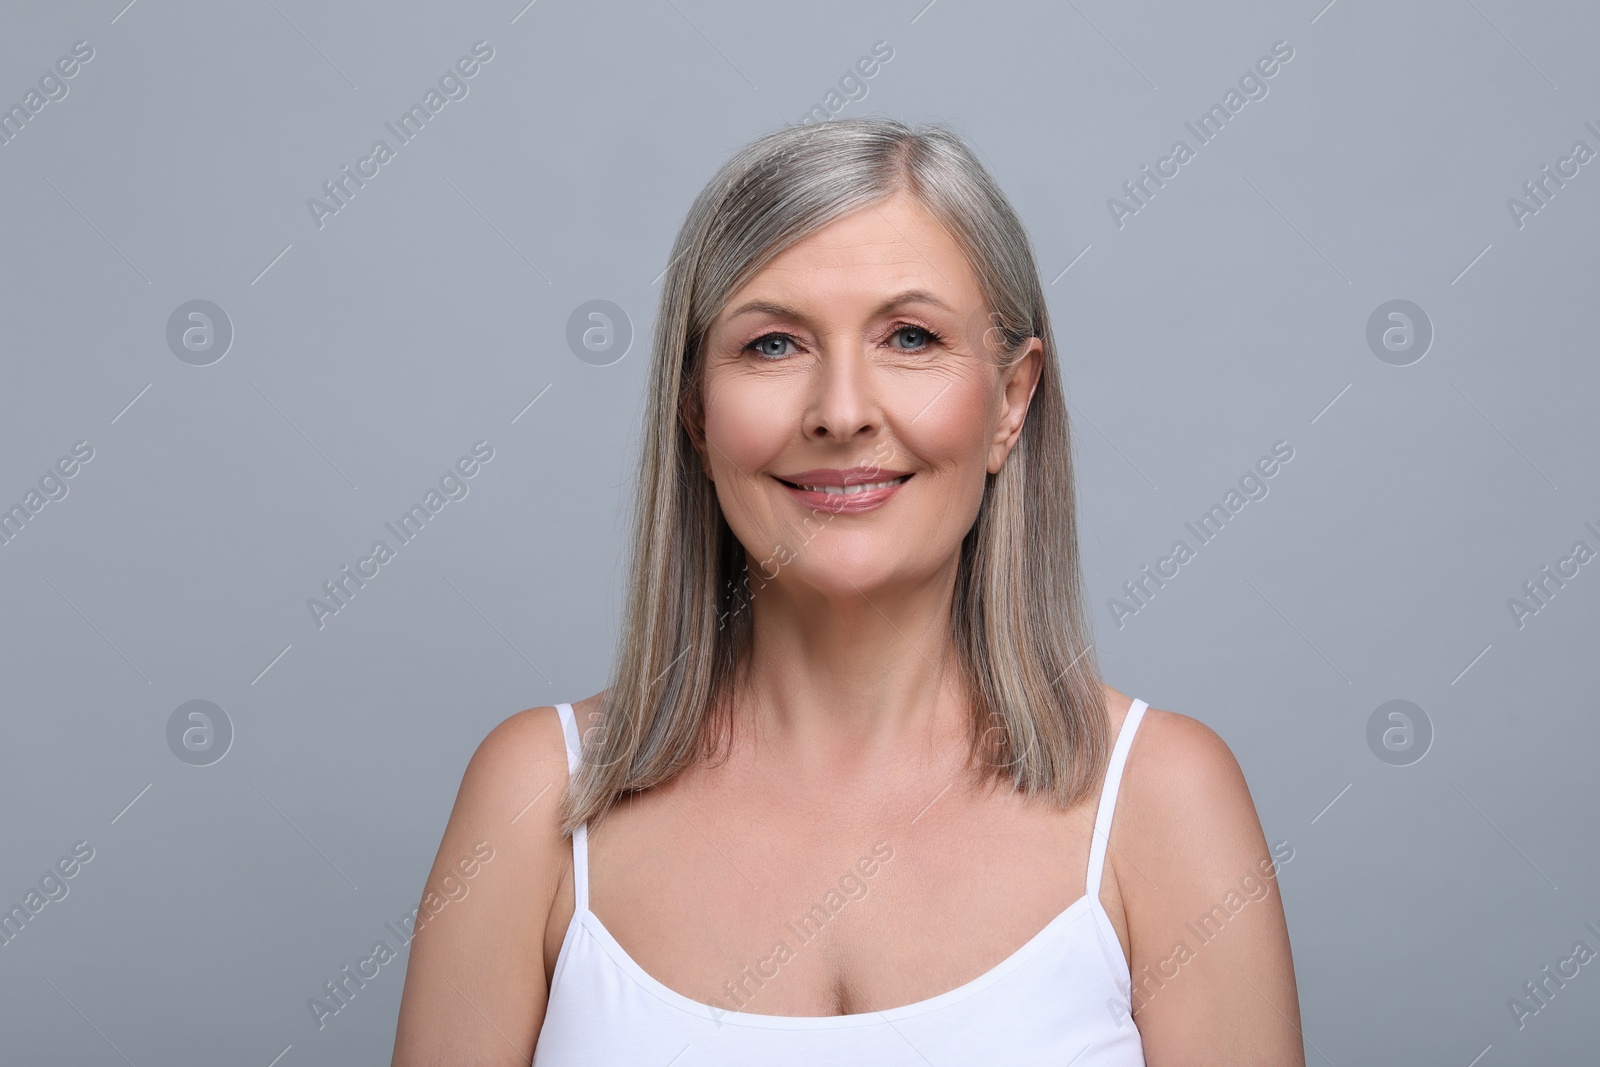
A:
{"x":851,"y":501}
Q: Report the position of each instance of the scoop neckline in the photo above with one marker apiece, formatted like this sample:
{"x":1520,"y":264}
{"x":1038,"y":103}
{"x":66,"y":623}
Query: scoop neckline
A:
{"x":1086,"y":904}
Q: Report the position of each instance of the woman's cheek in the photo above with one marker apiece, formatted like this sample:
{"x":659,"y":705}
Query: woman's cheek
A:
{"x":745,"y":422}
{"x":952,"y":432}
{"x":742,"y":438}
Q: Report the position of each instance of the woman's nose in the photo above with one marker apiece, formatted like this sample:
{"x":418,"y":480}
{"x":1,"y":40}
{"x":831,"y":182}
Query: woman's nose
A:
{"x":843,"y":399}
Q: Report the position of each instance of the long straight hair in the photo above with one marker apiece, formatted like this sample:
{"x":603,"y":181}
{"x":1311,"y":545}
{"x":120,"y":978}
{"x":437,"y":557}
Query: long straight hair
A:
{"x":1018,"y":622}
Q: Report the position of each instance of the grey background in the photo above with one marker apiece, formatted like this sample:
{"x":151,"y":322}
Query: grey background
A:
{"x":369,"y":354}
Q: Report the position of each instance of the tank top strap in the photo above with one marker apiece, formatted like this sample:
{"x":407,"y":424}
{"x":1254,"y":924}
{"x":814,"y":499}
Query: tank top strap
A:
{"x":1108,"y":798}
{"x":580,"y":836}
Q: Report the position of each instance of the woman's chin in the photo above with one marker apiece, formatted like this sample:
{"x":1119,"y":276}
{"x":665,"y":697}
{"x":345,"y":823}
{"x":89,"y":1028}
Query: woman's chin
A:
{"x":841,"y":580}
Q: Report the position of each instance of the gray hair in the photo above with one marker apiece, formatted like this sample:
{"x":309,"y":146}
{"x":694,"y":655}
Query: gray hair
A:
{"x":1019,"y":622}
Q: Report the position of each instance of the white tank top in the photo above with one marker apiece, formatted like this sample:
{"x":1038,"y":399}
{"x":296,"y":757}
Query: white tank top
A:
{"x":1063,"y":997}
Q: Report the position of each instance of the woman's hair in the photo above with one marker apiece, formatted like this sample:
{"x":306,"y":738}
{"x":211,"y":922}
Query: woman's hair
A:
{"x":1018,"y":621}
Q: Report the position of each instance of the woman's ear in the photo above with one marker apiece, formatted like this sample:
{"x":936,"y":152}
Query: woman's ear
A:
{"x":691,"y":418}
{"x":1017,"y":383}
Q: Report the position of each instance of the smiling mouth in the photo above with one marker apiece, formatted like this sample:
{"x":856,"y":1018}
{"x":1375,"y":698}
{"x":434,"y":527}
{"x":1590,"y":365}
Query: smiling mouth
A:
{"x":848,"y":490}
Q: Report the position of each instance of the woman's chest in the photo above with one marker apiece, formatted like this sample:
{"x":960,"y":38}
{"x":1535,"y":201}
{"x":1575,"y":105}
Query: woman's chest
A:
{"x":786,"y":908}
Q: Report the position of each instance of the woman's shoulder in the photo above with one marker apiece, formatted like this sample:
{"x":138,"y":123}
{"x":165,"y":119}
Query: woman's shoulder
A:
{"x":502,"y":845}
{"x":516,"y":779}
{"x":1184,"y":796}
{"x":1180,"y":773}
{"x":1170,"y":744}
{"x":528,"y":746}
{"x":1190,"y":860}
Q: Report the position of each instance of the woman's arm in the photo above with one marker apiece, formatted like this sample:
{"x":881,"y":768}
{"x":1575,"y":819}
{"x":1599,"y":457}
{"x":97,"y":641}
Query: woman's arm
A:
{"x":1213,"y":979}
{"x":475,"y":986}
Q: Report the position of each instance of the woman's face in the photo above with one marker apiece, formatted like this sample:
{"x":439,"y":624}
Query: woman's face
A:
{"x":857,"y":357}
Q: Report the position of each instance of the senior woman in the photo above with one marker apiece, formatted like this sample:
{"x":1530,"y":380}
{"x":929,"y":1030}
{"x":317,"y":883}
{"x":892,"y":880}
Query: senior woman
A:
{"x":855,"y":792}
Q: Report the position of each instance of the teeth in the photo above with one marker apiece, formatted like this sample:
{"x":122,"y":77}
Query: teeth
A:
{"x":852,"y":490}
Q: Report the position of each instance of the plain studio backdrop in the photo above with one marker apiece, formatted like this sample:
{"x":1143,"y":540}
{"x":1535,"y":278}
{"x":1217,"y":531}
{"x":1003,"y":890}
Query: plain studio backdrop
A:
{"x":1372,"y":271}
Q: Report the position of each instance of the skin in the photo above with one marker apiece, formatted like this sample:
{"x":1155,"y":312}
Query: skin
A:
{"x":852,"y":730}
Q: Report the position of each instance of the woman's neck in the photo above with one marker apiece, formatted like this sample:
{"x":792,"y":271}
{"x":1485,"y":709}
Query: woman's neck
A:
{"x":851,"y":679}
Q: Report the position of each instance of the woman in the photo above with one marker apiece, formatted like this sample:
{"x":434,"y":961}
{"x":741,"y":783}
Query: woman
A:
{"x":848,"y":797}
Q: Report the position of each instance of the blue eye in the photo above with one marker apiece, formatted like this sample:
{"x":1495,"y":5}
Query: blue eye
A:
{"x":761,"y":345}
{"x":756,"y":345}
{"x":932,"y":338}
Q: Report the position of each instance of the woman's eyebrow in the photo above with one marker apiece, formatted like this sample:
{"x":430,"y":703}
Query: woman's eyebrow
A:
{"x":910,"y":296}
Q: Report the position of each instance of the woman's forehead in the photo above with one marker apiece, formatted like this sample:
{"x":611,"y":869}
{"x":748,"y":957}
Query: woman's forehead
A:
{"x":874,"y":264}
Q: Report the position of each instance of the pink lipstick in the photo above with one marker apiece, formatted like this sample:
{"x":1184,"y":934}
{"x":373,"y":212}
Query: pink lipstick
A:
{"x":844,"y":490}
